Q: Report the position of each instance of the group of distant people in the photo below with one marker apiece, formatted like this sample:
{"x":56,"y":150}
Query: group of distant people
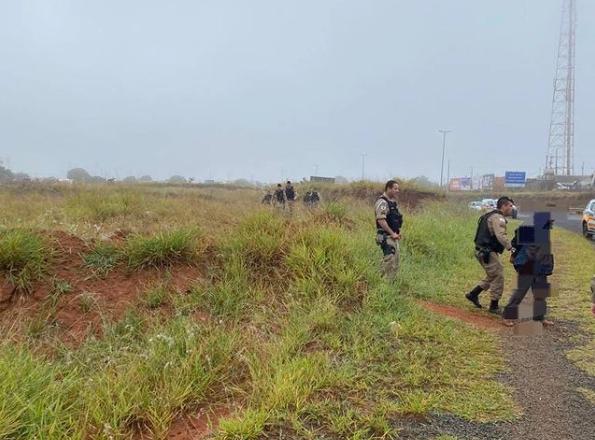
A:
{"x":285,"y":197}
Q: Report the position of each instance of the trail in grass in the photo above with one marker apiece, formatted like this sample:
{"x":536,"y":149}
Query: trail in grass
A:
{"x":551,"y":390}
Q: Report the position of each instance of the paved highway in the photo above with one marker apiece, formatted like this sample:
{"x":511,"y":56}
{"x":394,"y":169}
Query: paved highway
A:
{"x":566,"y":220}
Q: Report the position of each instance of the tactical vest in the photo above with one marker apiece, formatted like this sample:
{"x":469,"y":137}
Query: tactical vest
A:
{"x":484,"y":239}
{"x":394,"y":218}
{"x":279,"y":196}
{"x":290,"y":193}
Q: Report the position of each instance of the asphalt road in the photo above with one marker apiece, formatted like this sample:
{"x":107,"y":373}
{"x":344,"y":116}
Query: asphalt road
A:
{"x":566,"y":220}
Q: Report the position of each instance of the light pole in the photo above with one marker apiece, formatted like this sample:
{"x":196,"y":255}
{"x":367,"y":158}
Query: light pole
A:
{"x":363,"y":166}
{"x":444,"y":133}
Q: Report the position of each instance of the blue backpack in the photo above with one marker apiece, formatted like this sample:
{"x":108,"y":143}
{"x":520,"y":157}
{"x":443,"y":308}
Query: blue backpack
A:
{"x":531,"y":257}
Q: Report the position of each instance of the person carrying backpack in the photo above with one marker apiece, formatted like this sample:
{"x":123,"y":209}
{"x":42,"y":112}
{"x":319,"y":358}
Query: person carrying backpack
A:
{"x":533,"y":262}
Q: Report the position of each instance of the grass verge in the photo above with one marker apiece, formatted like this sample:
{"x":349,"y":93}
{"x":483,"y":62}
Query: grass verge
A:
{"x":23,"y":257}
{"x":296,"y":327}
{"x":162,"y":249}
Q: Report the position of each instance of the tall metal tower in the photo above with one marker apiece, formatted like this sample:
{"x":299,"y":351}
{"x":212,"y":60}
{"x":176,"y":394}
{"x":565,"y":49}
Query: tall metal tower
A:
{"x":560,"y":156}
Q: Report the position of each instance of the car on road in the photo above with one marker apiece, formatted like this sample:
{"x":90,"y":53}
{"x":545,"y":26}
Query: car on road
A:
{"x":589,"y":220}
{"x":488,"y":204}
{"x":475,"y":205}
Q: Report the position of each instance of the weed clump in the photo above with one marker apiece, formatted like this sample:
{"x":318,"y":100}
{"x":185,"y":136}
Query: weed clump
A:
{"x":155,"y":296}
{"x":261,"y":242}
{"x":163,"y":249}
{"x":23,"y":257}
{"x":102,"y":259}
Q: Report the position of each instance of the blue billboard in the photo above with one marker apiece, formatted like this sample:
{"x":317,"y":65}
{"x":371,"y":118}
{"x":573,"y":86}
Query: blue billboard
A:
{"x":515,"y":179}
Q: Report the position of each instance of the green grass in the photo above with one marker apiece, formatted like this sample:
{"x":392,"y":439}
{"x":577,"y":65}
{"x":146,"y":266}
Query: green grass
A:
{"x":162,"y":249}
{"x":23,"y":257}
{"x":292,"y":324}
{"x":102,"y":205}
{"x":136,"y":375}
{"x":571,"y":299}
{"x":155,"y":296}
{"x":103,"y":258}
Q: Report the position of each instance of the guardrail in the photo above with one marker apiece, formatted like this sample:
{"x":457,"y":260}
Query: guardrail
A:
{"x":578,"y":211}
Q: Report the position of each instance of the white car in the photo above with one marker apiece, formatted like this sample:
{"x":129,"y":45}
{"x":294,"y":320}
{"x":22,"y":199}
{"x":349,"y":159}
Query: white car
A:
{"x":488,"y":204}
{"x":475,"y":205}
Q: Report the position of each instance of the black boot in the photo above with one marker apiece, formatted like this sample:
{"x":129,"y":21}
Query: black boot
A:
{"x":494,"y":307}
{"x":473,"y":296}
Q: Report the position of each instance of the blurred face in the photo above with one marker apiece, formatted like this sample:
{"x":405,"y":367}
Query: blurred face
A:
{"x":393,"y":191}
{"x":507,"y":209}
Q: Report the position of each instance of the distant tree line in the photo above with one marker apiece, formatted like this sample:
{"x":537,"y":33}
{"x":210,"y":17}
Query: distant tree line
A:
{"x":7,"y":175}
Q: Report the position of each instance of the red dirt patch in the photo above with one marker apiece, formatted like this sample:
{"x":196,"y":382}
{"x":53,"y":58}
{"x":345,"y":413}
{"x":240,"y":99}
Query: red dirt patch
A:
{"x":473,"y":318}
{"x":197,"y":426}
{"x":107,"y":297}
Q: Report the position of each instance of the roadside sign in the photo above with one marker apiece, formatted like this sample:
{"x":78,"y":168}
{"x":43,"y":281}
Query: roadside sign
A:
{"x":466,"y":183}
{"x":515,"y":179}
{"x":487,"y":182}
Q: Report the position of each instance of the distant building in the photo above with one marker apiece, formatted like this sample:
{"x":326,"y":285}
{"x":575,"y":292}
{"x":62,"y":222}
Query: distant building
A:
{"x":321,"y":179}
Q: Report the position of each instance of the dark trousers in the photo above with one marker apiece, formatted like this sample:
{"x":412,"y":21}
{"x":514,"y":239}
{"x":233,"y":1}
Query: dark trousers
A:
{"x":541,"y":290}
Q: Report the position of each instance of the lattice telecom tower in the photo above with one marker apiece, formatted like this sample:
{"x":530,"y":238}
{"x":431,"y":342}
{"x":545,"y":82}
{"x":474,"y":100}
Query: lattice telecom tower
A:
{"x":560,"y":156}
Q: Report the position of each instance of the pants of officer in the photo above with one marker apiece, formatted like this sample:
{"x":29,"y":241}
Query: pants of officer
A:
{"x":494,"y":280}
{"x":290,"y":205}
{"x":540,"y":288}
{"x":390,"y":261}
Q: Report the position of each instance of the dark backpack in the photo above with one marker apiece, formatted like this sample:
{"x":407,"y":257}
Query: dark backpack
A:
{"x":531,"y":258}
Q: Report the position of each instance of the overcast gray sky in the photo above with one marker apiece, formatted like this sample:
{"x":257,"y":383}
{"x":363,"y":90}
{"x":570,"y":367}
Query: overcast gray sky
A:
{"x":271,"y":88}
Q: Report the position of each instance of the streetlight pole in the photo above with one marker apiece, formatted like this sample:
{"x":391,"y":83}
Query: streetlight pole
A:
{"x":444,"y":133}
{"x":363,"y":166}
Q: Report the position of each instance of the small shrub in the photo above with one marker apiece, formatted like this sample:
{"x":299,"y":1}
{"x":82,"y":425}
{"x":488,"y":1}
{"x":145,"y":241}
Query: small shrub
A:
{"x":163,"y":249}
{"x":23,"y":257}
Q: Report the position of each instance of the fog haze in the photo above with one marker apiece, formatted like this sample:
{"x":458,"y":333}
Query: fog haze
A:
{"x":273,"y":89}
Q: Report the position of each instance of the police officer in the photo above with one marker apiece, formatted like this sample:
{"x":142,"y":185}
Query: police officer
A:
{"x":279,"y":197}
{"x":268,"y":198}
{"x":490,"y":242}
{"x":290,"y":195}
{"x":388,"y":228}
